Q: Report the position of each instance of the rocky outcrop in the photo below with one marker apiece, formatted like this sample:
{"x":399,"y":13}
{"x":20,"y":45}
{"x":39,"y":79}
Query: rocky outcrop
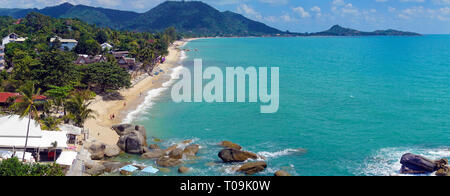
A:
{"x":113,"y":166}
{"x":112,"y":151}
{"x":154,"y":146}
{"x":97,"y":150}
{"x":176,"y":154}
{"x":183,"y":170}
{"x":168,"y":162}
{"x":94,"y":168}
{"x":444,"y":171}
{"x":133,"y":142}
{"x":231,"y":145}
{"x":415,"y":164}
{"x":191,"y":150}
{"x":253,"y":167}
{"x":232,"y":155}
{"x":282,"y":173}
{"x":153,"y":154}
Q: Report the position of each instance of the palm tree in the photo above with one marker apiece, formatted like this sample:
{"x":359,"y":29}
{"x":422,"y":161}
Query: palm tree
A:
{"x":25,"y":105}
{"x":79,"y":109}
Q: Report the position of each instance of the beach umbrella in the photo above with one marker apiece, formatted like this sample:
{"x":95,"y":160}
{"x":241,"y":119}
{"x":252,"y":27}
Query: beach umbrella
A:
{"x":150,"y":170}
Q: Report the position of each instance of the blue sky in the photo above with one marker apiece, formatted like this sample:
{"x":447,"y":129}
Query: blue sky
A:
{"x":423,"y":16}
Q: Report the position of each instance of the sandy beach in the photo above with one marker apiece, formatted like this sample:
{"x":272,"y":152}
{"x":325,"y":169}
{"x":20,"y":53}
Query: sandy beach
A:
{"x":100,"y":128}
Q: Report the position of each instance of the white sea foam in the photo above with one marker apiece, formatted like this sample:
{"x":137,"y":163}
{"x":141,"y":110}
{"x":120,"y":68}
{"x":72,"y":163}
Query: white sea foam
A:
{"x":281,"y":153}
{"x":151,"y":96}
{"x":386,"y":161}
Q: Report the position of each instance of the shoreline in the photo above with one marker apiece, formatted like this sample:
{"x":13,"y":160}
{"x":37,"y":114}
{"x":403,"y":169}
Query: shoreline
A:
{"x":100,"y":128}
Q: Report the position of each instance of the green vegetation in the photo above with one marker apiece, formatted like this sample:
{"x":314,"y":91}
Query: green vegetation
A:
{"x":40,"y":66}
{"x":13,"y":167}
{"x":191,"y":18}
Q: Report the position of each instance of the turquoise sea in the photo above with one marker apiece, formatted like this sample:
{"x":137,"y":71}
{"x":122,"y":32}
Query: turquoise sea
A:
{"x":356,"y":104}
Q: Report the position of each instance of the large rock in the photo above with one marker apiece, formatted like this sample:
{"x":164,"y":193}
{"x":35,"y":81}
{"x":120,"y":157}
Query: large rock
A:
{"x":282,"y":173}
{"x":445,"y":171}
{"x":168,"y":162}
{"x":154,"y":154}
{"x":176,"y":154}
{"x":228,"y":144}
{"x":191,"y":150}
{"x":154,"y":146}
{"x":113,"y":166}
{"x":415,"y":164}
{"x":141,"y":129}
{"x":253,"y":168}
{"x":123,"y":129}
{"x":133,"y":143}
{"x":94,"y":168}
{"x":183,"y":170}
{"x":97,"y":150}
{"x":232,"y":155}
{"x":112,"y":151}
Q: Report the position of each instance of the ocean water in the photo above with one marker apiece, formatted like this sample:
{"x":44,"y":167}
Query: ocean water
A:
{"x":356,"y":104}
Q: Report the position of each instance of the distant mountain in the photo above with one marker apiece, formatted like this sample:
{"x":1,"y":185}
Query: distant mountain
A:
{"x":337,"y":30}
{"x":193,"y":17}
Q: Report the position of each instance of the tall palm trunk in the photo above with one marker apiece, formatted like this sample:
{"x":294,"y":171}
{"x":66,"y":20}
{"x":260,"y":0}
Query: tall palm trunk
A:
{"x":26,"y":138}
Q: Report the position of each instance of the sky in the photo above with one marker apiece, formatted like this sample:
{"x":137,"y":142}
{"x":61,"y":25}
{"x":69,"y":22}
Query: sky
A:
{"x":422,"y":16}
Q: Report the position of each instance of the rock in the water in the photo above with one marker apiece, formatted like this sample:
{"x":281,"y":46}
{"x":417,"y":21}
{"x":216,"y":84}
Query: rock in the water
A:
{"x":168,"y":150}
{"x":94,"y":168}
{"x":153,"y":154}
{"x":97,"y":150}
{"x":113,"y":166}
{"x":154,"y":146}
{"x":191,"y":150}
{"x":415,"y":164}
{"x":232,"y":155}
{"x":253,"y":168}
{"x":282,"y":173}
{"x":133,"y":143}
{"x":445,"y":171}
{"x":441,"y":163}
{"x":168,"y":162}
{"x":183,"y":170}
{"x":228,"y":144}
{"x":176,"y":154}
{"x":112,"y":151}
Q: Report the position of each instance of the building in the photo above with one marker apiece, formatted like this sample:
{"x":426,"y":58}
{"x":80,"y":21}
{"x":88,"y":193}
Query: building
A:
{"x":127,"y":63}
{"x":13,"y":132}
{"x":87,"y":59}
{"x":12,"y":38}
{"x":120,"y":54}
{"x":106,"y":46}
{"x":68,"y":44}
{"x":6,"y":98}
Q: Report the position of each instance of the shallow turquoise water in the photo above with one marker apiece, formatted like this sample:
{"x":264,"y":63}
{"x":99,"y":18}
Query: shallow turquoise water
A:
{"x":356,"y":104}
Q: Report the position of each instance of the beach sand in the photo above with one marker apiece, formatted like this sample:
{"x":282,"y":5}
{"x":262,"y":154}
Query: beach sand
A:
{"x":100,"y":128}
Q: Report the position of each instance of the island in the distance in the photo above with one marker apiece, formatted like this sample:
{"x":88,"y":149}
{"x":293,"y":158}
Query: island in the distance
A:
{"x":337,"y":30}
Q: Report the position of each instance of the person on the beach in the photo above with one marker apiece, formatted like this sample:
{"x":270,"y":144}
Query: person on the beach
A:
{"x":124,"y":104}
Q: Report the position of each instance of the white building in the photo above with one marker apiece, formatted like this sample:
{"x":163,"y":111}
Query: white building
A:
{"x":65,"y":43}
{"x":106,"y":46}
{"x":12,"y":38}
{"x":13,"y":131}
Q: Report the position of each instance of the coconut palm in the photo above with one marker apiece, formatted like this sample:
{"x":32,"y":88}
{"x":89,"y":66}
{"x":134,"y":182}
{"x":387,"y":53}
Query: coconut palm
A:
{"x":25,"y":105}
{"x":79,"y":110}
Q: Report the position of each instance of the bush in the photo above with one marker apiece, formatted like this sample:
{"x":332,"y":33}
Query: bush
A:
{"x":13,"y":167}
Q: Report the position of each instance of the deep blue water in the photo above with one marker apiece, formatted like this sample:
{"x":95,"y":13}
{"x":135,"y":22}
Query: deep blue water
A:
{"x":355,"y":103}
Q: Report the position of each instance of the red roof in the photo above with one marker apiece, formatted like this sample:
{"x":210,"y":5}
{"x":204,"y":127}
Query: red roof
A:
{"x":5,"y":96}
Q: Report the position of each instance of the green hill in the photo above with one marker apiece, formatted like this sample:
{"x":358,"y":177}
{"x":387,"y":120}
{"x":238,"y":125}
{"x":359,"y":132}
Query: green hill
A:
{"x":192,"y":18}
